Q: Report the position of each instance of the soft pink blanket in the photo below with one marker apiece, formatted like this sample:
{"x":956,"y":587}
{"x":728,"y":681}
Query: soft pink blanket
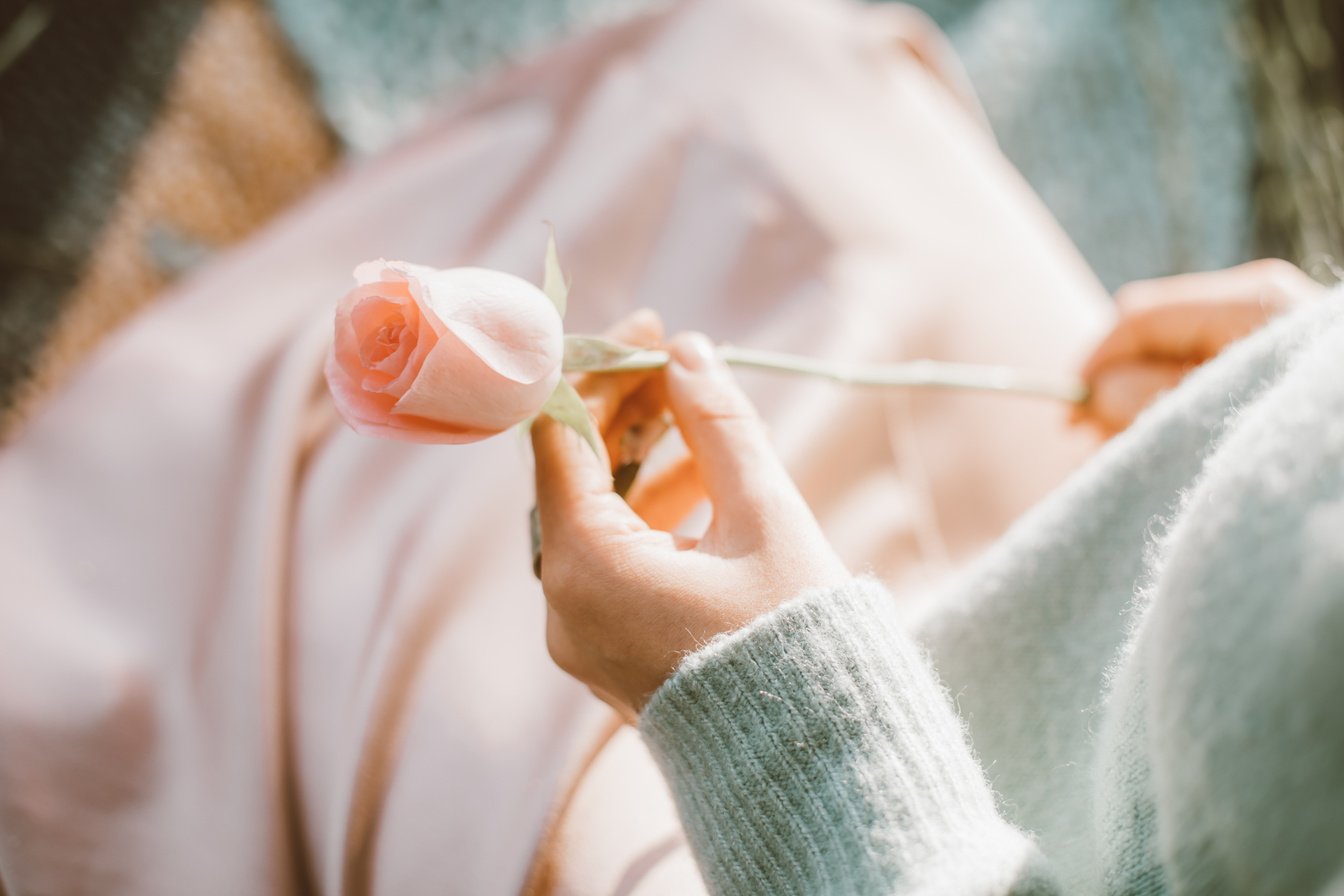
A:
{"x":243,"y":650}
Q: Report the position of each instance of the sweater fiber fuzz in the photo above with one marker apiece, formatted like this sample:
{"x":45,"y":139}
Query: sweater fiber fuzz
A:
{"x":1137,"y":690}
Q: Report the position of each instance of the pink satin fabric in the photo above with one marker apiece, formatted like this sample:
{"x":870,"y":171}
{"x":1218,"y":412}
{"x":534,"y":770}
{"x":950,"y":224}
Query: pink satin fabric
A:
{"x":244,"y":650}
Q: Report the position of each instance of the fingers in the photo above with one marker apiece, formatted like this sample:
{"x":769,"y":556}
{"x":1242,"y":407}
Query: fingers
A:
{"x":1124,"y":389}
{"x":734,"y":458}
{"x":1164,"y":333}
{"x":574,"y":486}
{"x":1187,"y":332}
{"x":665,"y":498}
{"x":1170,"y":324}
{"x":1270,"y":282}
{"x":1192,"y":317}
{"x":638,"y":423}
{"x":604,"y":393}
{"x":568,"y":475}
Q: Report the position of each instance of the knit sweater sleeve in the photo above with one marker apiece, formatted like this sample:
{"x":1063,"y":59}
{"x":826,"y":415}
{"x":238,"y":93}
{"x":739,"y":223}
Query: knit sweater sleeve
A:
{"x":815,"y":752}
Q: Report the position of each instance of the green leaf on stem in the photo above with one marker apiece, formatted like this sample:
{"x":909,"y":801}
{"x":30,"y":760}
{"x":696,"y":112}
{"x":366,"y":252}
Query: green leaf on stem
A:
{"x":554,"y":283}
{"x":594,"y":353}
{"x":566,"y":407}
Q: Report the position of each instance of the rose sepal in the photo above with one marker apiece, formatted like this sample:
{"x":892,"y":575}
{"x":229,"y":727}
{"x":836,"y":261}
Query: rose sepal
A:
{"x":566,"y":407}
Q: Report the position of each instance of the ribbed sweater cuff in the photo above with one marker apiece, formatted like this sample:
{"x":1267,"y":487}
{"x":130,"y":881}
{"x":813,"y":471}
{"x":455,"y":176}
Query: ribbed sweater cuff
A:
{"x":814,"y":752}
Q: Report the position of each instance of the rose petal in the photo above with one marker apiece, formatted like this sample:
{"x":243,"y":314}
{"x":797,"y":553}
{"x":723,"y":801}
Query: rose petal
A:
{"x":394,"y":365}
{"x":381,"y":270}
{"x":457,"y":386}
{"x":353,"y":402}
{"x":416,"y":429}
{"x":359,"y":315}
{"x":345,"y":347}
{"x":414,"y":276}
{"x":506,"y":321}
{"x":370,"y":271}
{"x":370,"y":316}
{"x":425,"y":341}
{"x":347,"y":333}
{"x":476,"y":352}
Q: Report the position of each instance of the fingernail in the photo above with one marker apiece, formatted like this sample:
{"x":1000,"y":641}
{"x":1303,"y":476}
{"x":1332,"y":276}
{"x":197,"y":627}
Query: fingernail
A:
{"x":693,"y":351}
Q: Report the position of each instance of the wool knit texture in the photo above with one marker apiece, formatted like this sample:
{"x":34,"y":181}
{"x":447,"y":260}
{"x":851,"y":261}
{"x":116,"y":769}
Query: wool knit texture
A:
{"x":1136,"y":690}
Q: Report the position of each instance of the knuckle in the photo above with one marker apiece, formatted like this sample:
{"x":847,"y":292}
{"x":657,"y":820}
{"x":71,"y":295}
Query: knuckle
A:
{"x":560,"y":579}
{"x":1274,"y":269}
{"x":589,"y":561}
{"x":722,"y":404}
{"x":1134,"y":294}
{"x":1279,"y":277}
{"x":562,"y":654}
{"x":733,"y":417}
{"x":642,"y":326}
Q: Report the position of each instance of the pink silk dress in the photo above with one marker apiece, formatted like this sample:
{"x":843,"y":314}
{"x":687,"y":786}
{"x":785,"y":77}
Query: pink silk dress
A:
{"x":243,"y":650}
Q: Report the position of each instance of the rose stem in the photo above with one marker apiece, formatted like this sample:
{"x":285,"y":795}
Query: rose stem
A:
{"x":935,"y":374}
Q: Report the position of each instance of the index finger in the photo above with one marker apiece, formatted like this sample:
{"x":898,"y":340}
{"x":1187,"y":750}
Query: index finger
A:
{"x":604,"y":393}
{"x":561,"y":469}
{"x":574,"y":486}
{"x":1191,"y":317}
{"x":1185,"y":331}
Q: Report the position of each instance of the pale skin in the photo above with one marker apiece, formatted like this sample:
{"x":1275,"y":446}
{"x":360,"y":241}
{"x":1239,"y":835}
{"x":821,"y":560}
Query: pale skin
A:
{"x":627,"y":599}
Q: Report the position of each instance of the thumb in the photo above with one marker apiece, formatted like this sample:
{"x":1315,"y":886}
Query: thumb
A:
{"x":741,"y":472}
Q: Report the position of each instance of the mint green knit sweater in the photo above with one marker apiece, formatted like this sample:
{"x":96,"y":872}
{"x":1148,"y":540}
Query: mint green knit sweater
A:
{"x":1140,"y":689}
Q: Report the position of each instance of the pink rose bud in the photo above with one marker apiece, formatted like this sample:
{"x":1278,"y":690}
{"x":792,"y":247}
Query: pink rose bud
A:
{"x":424,"y":355}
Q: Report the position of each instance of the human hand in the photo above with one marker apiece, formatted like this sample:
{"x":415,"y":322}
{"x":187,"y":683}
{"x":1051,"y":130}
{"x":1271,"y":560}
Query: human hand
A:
{"x":1170,"y":325}
{"x":626,"y":600}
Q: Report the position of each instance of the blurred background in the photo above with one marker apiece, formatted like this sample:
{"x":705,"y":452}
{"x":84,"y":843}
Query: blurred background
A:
{"x":139,"y":137}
